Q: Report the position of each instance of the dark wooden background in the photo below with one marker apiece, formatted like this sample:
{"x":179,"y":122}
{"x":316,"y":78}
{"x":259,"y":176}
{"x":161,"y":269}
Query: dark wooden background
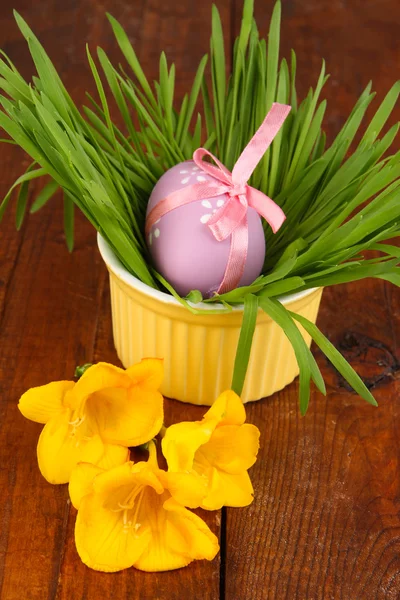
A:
{"x":325,"y":523}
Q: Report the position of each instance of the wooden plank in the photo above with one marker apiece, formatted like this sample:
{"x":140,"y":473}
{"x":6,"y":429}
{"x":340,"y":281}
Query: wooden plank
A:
{"x":49,"y":291}
{"x":54,"y":303}
{"x":358,"y":40}
{"x":10,"y":242}
{"x":325,"y":520}
{"x":200,"y":580}
{"x":44,"y":290}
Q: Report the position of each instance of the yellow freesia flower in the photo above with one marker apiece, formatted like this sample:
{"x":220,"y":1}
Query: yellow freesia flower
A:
{"x":96,"y":419}
{"x":127,"y":517}
{"x":219,"y":450}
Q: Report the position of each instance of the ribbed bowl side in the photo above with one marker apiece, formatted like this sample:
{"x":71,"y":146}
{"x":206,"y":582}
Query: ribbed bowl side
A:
{"x":199,"y":352}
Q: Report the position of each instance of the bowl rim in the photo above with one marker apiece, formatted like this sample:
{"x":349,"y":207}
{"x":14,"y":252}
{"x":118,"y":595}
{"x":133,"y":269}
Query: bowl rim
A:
{"x":115,"y":265}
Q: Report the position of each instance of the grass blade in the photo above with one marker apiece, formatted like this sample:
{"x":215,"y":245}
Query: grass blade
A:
{"x":44,"y":196}
{"x":218,"y":64}
{"x":131,"y":58}
{"x":338,"y":361}
{"x":69,"y":222}
{"x":245,"y":342}
{"x":382,"y":115}
{"x":26,"y":177}
{"x":307,"y":365}
{"x":22,"y":200}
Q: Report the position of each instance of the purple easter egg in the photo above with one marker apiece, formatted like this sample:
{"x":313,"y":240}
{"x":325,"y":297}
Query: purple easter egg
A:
{"x":184,"y":250}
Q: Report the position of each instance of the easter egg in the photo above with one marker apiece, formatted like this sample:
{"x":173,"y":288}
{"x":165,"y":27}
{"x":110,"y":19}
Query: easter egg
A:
{"x":184,"y":250}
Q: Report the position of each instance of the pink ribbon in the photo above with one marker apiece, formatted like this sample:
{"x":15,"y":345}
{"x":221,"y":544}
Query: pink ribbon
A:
{"x":231,"y":218}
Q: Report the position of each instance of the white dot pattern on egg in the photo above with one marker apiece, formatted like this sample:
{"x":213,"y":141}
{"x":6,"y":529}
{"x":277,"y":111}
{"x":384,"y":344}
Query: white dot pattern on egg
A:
{"x":184,"y":249}
{"x":190,"y":174}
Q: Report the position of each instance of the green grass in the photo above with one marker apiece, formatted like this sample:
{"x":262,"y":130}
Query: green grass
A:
{"x":338,"y":206}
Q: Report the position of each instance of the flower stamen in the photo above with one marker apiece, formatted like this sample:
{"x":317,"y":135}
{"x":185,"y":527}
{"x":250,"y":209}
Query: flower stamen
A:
{"x":127,"y":507}
{"x":76,"y":423}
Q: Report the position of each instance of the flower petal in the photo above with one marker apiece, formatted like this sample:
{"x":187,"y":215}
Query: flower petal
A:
{"x":182,"y":441}
{"x":105,"y":456}
{"x":233,"y":448}
{"x":228,"y":489}
{"x":113,"y":456}
{"x":100,"y":376}
{"x":61,"y":447}
{"x":178,"y":537}
{"x":93,"y":450}
{"x":81,"y":480}
{"x":112,"y":485}
{"x":189,"y":489}
{"x":148,"y":373}
{"x":228,"y":409}
{"x":128,"y":417}
{"x":58,"y":450}
{"x":102,"y":539}
{"x":41,"y":403}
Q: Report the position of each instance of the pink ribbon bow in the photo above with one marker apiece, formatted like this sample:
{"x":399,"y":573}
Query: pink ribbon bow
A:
{"x":231,"y":218}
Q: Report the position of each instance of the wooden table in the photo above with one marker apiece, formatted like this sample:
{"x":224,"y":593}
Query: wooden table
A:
{"x":325,"y":523}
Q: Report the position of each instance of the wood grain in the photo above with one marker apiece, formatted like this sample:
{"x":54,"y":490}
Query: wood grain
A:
{"x":198,"y":580}
{"x":325,"y":523}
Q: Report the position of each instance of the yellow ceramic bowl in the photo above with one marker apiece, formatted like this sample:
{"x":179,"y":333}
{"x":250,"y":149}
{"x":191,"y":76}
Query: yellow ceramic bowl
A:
{"x":199,"y":350}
